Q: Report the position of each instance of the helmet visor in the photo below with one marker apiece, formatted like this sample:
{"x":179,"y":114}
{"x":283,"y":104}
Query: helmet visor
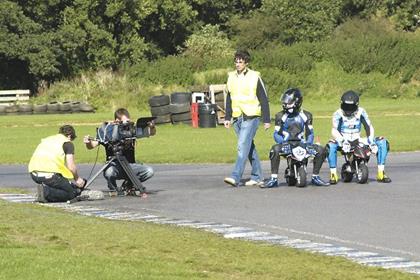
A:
{"x":288,"y":101}
{"x":348,"y":109}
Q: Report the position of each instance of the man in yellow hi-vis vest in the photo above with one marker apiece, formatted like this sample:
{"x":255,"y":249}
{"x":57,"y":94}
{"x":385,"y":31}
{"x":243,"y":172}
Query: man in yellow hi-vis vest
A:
{"x":246,"y":103}
{"x":52,"y":166}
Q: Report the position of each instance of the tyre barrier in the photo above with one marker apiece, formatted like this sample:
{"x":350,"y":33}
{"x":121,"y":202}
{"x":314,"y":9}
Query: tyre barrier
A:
{"x":54,"y":107}
{"x":160,"y":111}
{"x":181,"y":97}
{"x":179,"y":108}
{"x":159,"y":100}
{"x":181,"y":117}
{"x":39,"y":109}
{"x":25,"y":109}
{"x":163,"y":119}
{"x":160,"y":108}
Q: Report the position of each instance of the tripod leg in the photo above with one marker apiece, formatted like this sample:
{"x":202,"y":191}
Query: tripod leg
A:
{"x":129,"y":172}
{"x":99,"y":172}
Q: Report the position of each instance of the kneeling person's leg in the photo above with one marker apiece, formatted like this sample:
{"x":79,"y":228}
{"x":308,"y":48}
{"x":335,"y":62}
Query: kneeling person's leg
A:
{"x":59,"y":189}
{"x":142,"y":171}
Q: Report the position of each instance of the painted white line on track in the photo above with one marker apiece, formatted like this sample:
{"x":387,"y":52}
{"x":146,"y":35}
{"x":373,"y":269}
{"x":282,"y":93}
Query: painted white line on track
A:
{"x":251,"y":235}
{"x":237,"y":232}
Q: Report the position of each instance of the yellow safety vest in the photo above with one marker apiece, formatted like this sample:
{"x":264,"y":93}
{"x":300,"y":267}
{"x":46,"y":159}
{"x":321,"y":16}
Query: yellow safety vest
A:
{"x":49,"y":156}
{"x":243,"y":93}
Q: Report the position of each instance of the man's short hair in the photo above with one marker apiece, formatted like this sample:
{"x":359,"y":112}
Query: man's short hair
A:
{"x":68,"y":130}
{"x":242,"y":54}
{"x":121,"y":112}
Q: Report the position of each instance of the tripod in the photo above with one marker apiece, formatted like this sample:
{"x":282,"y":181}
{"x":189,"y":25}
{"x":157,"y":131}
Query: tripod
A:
{"x":118,"y":157}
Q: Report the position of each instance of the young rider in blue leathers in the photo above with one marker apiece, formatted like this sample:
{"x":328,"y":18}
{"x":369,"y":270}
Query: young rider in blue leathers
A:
{"x":347,"y":124}
{"x":294,"y":121}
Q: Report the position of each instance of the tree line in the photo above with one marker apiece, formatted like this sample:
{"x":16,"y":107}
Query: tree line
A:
{"x":49,"y":40}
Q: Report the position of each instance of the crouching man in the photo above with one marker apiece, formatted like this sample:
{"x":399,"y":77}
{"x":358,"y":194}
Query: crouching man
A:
{"x":53,"y":167}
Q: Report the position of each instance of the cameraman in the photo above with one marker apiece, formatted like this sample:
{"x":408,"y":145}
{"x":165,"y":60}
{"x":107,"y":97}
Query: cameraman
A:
{"x":52,"y":166}
{"x":114,"y":171}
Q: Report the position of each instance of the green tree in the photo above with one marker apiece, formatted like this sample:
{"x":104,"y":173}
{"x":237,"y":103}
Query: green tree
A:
{"x":26,"y":51}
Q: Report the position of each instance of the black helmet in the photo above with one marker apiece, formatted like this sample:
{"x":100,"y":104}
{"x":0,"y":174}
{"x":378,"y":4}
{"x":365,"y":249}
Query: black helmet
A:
{"x":349,"y":102}
{"x":292,"y":100}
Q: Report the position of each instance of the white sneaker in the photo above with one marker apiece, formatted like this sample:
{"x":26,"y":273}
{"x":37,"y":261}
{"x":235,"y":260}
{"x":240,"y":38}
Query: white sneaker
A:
{"x":230,"y":181}
{"x":254,"y":183}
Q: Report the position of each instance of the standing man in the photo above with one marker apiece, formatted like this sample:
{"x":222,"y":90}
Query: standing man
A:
{"x":246,"y":102}
{"x":52,"y":166}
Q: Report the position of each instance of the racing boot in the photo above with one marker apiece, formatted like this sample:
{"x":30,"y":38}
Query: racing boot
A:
{"x":272,"y":183}
{"x":382,"y":177}
{"x":333,"y":178}
{"x":317,"y":181}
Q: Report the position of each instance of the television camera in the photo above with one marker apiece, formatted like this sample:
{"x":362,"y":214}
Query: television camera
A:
{"x":115,"y":135}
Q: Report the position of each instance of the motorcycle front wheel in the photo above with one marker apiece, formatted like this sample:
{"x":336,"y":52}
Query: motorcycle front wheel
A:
{"x":346,"y":176}
{"x":362,"y":173}
{"x":301,"y":177}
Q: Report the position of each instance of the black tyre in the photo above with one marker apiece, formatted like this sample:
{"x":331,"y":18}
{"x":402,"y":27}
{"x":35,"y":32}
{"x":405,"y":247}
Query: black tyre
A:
{"x":290,"y":178}
{"x":40,"y":108}
{"x":160,"y":111}
{"x":65,"y":107}
{"x":180,"y":108}
{"x":75,"y":106}
{"x":163,"y":119}
{"x":363,"y":174}
{"x":86,"y":108}
{"x":301,"y":177}
{"x":160,"y":100}
{"x":25,"y":108}
{"x":53,"y":106}
{"x":181,"y":117}
{"x":12,"y":110}
{"x":181,"y":98}
{"x":346,"y":175}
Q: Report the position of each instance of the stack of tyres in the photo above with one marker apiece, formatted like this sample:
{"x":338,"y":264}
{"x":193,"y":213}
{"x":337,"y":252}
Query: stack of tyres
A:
{"x":180,"y":107}
{"x":159,"y":108}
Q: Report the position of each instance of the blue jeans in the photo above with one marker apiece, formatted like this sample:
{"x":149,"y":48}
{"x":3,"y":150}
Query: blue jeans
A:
{"x":383,"y":148}
{"x":245,"y":130}
{"x":115,"y":172}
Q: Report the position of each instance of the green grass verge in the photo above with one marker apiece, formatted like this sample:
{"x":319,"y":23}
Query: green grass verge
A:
{"x":398,"y":120}
{"x":43,"y":243}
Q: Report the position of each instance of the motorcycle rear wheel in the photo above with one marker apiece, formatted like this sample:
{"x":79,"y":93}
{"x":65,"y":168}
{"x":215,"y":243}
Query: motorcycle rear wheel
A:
{"x":363,"y":173}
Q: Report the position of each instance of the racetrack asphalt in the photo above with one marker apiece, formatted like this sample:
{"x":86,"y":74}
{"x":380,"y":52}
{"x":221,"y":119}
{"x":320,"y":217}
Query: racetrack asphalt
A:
{"x":377,"y":217}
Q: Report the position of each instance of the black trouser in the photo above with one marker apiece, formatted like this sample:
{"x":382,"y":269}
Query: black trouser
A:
{"x":275,"y":154}
{"x":57,"y":188}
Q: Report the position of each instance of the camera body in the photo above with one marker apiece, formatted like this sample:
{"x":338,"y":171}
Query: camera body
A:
{"x":112,"y":132}
{"x":115,"y":132}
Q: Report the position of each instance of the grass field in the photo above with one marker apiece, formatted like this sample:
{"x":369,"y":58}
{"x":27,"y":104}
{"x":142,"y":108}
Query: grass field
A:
{"x":43,"y":243}
{"x":398,"y":120}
